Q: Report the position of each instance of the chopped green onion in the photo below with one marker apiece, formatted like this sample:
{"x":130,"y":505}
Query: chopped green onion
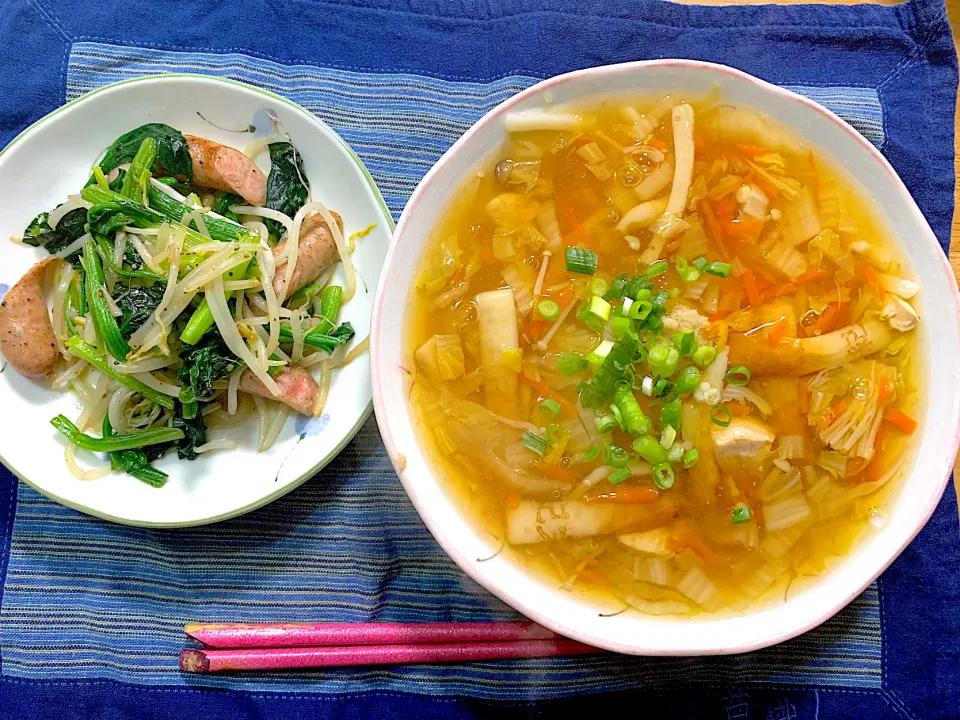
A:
{"x":659,"y":300}
{"x":663,"y":476}
{"x":687,"y":272}
{"x":666,"y":389}
{"x":741,"y":515}
{"x":581,"y":260}
{"x":605,"y":423}
{"x":617,"y":286}
{"x":639,"y":288}
{"x":639,"y":309}
{"x":700,"y":264}
{"x":646,"y":386}
{"x":597,"y":391}
{"x":587,"y":318}
{"x":571,"y":364}
{"x":551,"y":433}
{"x":720,"y":269}
{"x":600,"y":352}
{"x":670,"y":412}
{"x":533,"y":442}
{"x":663,"y":360}
{"x":620,"y":326}
{"x":668,"y":437}
{"x":114,"y":443}
{"x":704,"y":355}
{"x":657,"y":268}
{"x":548,"y":309}
{"x":685,"y":342}
{"x":674,"y":292}
{"x":688,"y":380}
{"x":591,"y":454}
{"x":617,"y":457}
{"x":550,"y":408}
{"x":599,"y":286}
{"x":649,"y":449}
{"x":738,"y":375}
{"x":599,"y":308}
{"x":721,"y":415}
{"x":653,"y":323}
{"x":633,"y":419}
{"x":675,"y":454}
{"x":618,"y":476}
{"x":691,"y":458}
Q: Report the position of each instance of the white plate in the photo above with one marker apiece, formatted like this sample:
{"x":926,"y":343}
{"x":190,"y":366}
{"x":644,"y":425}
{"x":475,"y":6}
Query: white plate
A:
{"x":52,"y":159}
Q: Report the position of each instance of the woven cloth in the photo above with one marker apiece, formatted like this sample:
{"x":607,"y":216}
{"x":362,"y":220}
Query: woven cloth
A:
{"x":92,"y":614}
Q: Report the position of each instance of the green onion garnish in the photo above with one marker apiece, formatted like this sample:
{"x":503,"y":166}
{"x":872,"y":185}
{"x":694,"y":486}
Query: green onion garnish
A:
{"x":639,"y":288}
{"x":741,"y":515}
{"x":721,"y":415}
{"x":649,"y":449}
{"x":663,"y":476}
{"x":620,"y":326}
{"x":688,"y":380}
{"x":687,"y":272}
{"x":581,"y":260}
{"x":551,"y":433}
{"x":599,"y":286}
{"x":639,"y":309}
{"x":550,"y":408}
{"x":720,"y":269}
{"x":653,"y":323}
{"x":675,"y":454}
{"x":685,"y":342}
{"x":616,"y":289}
{"x":670,"y":412}
{"x":691,"y":458}
{"x":571,"y":364}
{"x":659,"y":300}
{"x":668,"y":437}
{"x":666,"y":389}
{"x":657,"y":268}
{"x":700,"y":263}
{"x":618,"y":476}
{"x":739,"y":375}
{"x":704,"y":355}
{"x":591,"y":454}
{"x":605,"y":423}
{"x":663,"y":360}
{"x":617,"y":457}
{"x":548,"y":309}
{"x":533,"y":442}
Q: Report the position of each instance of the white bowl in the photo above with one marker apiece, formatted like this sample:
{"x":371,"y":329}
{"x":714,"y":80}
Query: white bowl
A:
{"x":569,"y":614}
{"x":51,"y":159}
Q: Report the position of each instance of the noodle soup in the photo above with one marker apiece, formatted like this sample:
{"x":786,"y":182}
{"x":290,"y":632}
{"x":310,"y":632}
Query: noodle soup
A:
{"x":665,"y":352}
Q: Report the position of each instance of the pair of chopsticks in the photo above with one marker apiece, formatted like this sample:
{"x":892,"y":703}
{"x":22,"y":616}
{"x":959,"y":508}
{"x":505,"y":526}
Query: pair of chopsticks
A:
{"x":289,"y":646}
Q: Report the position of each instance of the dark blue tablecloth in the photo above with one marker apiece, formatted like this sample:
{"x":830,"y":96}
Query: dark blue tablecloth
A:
{"x":91,"y":614}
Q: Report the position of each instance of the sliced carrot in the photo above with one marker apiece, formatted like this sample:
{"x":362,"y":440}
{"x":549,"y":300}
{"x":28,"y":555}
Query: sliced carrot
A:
{"x":561,"y":297}
{"x":486,"y":255}
{"x":867,"y":273}
{"x":718,"y":315}
{"x":769,"y":190}
{"x":458,"y":274}
{"x":826,"y":319}
{"x":810,"y":275}
{"x":885,"y":390}
{"x":698,"y":546}
{"x":750,"y":285}
{"x":674,"y":245}
{"x":826,"y":420}
{"x":739,"y":407}
{"x":776,"y":291}
{"x":778,"y":331}
{"x":725,"y":208}
{"x":545,"y":392}
{"x":556,"y":472}
{"x":854,"y":466}
{"x":534,"y":328}
{"x":714,"y":227}
{"x":585,"y":574}
{"x":577,"y":228}
{"x":635,"y":495}
{"x":751,"y":150}
{"x":803,"y":396}
{"x":659,"y":144}
{"x":901,"y":420}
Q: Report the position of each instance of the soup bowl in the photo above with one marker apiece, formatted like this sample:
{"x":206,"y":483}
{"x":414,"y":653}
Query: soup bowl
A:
{"x":583,"y":618}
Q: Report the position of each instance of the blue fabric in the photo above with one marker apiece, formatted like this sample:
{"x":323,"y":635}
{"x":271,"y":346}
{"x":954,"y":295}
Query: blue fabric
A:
{"x":91,"y":614}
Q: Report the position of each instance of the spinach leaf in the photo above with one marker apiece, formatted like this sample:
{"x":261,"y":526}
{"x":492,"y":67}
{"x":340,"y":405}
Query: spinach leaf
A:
{"x":222,"y":202}
{"x":194,"y":433}
{"x":106,"y":218}
{"x":136,"y":304}
{"x":71,"y":226}
{"x":206,"y":362}
{"x":173,"y":155}
{"x":117,"y":183}
{"x":286,"y":184}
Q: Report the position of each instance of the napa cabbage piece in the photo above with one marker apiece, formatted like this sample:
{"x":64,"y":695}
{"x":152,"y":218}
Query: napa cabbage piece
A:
{"x":443,"y":263}
{"x":511,"y":210}
{"x":441,"y":357}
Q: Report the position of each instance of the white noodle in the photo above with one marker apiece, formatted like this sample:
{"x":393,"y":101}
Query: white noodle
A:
{"x":74,"y":246}
{"x":284,"y":220}
{"x":323,"y":389}
{"x":543,"y":272}
{"x":62,"y":379}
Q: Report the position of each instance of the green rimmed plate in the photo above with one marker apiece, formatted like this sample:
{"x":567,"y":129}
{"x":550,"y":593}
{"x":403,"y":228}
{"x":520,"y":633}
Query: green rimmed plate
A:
{"x":51,"y":159}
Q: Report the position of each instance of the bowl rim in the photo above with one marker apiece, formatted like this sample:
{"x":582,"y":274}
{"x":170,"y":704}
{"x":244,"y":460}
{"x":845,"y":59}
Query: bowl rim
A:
{"x":160,"y":78}
{"x":475,"y":569}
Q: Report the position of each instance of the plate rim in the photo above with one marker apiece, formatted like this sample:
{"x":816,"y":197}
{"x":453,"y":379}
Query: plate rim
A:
{"x":364,"y":416}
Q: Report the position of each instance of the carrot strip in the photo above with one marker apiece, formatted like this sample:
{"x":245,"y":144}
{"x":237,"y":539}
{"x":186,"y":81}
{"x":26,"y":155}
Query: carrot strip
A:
{"x":750,"y":285}
{"x":832,"y":414}
{"x":658,"y":143}
{"x":577,"y":228}
{"x":635,"y":495}
{"x":778,"y":331}
{"x":546,"y":392}
{"x":739,"y":407}
{"x":901,"y":420}
{"x":826,"y":319}
{"x":769,"y":190}
{"x":556,"y":472}
{"x":810,"y":275}
{"x":751,"y":150}
{"x":486,"y":255}
{"x":458,"y":274}
{"x":561,"y":297}
{"x":535,"y":329}
{"x":698,"y":546}
{"x":885,"y":391}
{"x":874,"y":471}
{"x":867,"y":273}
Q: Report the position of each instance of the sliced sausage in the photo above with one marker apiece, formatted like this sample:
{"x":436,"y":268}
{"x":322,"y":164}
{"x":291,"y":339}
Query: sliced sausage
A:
{"x":26,"y":333}
{"x":220,"y":167}
{"x":316,"y":252}
{"x":298,"y":389}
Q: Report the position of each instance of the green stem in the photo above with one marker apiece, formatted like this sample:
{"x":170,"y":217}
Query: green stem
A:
{"x":139,"y":173}
{"x":106,"y":251}
{"x":89,"y":353}
{"x":114,"y":443}
{"x":133,"y":462}
{"x":320,"y":340}
{"x":103,"y":319}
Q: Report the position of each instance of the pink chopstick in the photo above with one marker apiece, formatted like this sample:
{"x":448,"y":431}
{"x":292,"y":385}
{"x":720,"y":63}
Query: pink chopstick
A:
{"x":200,"y":660}
{"x":279,"y":635}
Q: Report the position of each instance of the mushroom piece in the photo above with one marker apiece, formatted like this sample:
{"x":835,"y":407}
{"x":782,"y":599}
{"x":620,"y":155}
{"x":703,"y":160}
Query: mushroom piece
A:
{"x":899,"y":314}
{"x":744,"y":440}
{"x":671,"y":221}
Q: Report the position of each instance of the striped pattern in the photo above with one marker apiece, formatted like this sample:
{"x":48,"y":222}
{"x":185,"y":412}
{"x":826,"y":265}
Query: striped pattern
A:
{"x":87,"y":599}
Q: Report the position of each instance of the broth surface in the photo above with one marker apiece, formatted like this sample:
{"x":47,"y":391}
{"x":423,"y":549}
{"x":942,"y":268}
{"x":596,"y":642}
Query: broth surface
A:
{"x":665,"y":351}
